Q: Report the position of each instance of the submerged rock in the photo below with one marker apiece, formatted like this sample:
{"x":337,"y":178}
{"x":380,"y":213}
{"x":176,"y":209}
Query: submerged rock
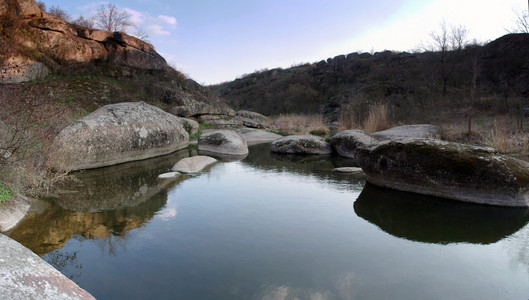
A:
{"x":24,"y":275}
{"x":448,"y":170}
{"x":417,"y":131}
{"x":118,"y":133}
{"x":194,"y":164}
{"x":349,"y":170}
{"x":346,"y":142}
{"x":223,"y":142}
{"x":301,"y":144}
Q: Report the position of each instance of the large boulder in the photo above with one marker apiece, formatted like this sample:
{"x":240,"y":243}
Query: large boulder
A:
{"x":24,"y":275}
{"x":25,"y":8}
{"x":448,"y":170}
{"x":118,"y":133}
{"x":252,"y":119}
{"x":417,"y":131}
{"x":194,"y":164}
{"x":222,"y":142}
{"x":301,"y":144}
{"x":346,"y":142}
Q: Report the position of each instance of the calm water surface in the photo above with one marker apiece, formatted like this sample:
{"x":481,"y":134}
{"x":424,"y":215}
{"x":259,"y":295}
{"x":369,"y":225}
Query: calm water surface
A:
{"x":273,"y":227}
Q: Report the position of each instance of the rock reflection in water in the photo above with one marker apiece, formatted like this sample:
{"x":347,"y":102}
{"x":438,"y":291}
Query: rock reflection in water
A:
{"x":116,"y":187}
{"x":103,"y":203}
{"x":434,"y":220}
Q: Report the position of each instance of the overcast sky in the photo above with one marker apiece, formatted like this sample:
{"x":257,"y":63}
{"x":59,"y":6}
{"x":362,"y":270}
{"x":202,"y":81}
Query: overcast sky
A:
{"x":218,"y":40}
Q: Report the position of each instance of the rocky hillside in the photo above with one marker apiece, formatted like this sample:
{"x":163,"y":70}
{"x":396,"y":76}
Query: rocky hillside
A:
{"x":35,"y":44}
{"x":411,"y":83}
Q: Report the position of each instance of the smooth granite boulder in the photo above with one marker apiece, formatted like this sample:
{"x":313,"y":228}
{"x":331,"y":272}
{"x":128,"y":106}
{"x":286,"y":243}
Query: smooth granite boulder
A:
{"x":301,"y":144}
{"x":118,"y":133}
{"x":223,"y":142}
{"x":253,"y":119}
{"x":194,"y":164}
{"x":346,"y":142}
{"x":449,"y":170}
{"x":417,"y":131}
{"x":24,"y":275}
{"x":12,"y":212}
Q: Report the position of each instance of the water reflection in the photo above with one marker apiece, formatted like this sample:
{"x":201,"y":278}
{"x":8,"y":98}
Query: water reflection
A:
{"x":125,"y":185}
{"x":100,"y":204}
{"x":433,"y":220}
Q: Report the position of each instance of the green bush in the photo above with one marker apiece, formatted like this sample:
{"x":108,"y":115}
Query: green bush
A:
{"x":5,"y":193}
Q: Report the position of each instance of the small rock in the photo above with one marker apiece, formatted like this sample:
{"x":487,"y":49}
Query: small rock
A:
{"x":194,"y":164}
{"x":301,"y":144}
{"x":169,"y":175}
{"x":351,"y":170}
{"x":191,"y":126}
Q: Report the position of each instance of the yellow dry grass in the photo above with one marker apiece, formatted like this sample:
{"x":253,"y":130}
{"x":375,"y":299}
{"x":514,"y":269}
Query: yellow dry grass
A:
{"x":378,"y":118}
{"x":299,"y":124}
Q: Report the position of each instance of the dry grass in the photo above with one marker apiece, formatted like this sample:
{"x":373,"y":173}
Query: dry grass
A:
{"x":347,"y":120}
{"x":378,"y":118}
{"x":505,"y":139}
{"x":288,"y":124}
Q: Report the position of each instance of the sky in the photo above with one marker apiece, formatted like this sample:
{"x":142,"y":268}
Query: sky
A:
{"x":213,"y":41}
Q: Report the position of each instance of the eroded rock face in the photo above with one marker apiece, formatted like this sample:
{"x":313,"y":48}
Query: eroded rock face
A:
{"x":68,"y":43}
{"x":118,"y":133}
{"x":19,"y":69}
{"x":346,"y":142}
{"x":24,"y":275}
{"x":223,"y":121}
{"x":252,"y":119}
{"x":194,"y":164}
{"x":301,"y":144}
{"x":223,"y":142}
{"x":448,"y":170}
{"x":417,"y":131}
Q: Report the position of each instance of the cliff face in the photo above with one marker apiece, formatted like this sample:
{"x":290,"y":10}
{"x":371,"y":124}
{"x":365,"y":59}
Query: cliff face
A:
{"x":34,"y":44}
{"x":35,"y":41}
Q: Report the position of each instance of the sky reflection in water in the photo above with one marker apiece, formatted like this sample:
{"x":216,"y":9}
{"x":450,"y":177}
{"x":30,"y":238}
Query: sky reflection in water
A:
{"x":275,"y":227}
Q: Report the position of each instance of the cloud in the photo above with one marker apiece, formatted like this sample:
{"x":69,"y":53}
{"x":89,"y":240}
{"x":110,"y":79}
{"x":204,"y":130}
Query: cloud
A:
{"x":136,"y":17}
{"x":168,"y":20}
{"x":157,"y":29}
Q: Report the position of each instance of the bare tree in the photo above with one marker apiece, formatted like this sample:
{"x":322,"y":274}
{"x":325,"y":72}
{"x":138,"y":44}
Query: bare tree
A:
{"x":85,"y":22}
{"x":110,"y":18}
{"x":522,"y":22}
{"x":142,"y":35}
{"x":41,"y":5}
{"x":446,"y":41}
{"x":59,"y":12}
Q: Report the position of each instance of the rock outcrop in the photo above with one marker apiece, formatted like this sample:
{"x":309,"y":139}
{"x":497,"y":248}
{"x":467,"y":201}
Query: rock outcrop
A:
{"x":194,"y":164}
{"x":417,"y":131}
{"x":118,"y":133}
{"x":222,"y":142}
{"x":346,"y":142}
{"x":24,"y":275}
{"x":448,"y":170}
{"x":301,"y":144}
{"x":56,"y":42}
{"x":252,"y":119}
